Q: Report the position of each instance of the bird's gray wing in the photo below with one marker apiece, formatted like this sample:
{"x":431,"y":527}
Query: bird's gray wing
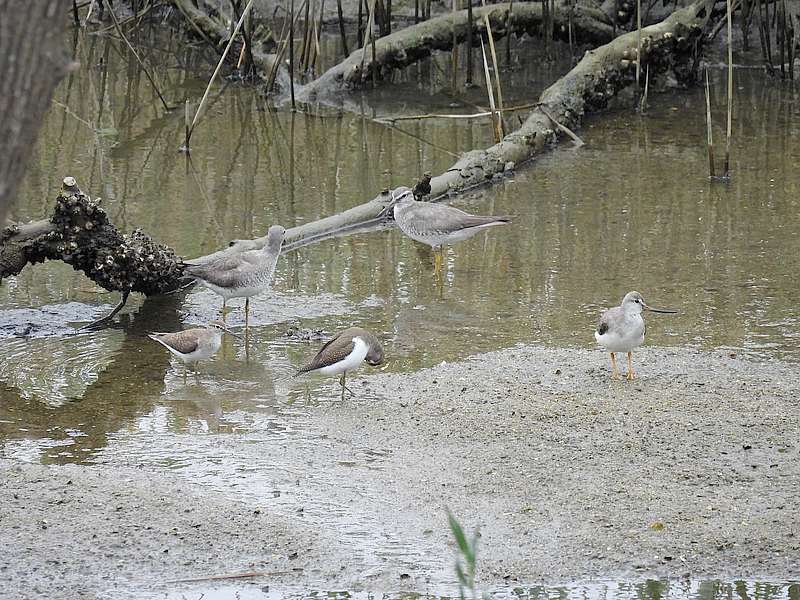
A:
{"x":332,"y":352}
{"x":607,"y":320}
{"x":448,"y":219}
{"x":184,"y":342}
{"x":224,"y":271}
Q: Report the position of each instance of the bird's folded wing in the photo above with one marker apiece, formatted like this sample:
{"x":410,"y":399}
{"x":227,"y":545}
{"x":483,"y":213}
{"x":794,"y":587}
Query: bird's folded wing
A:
{"x":184,"y":342}
{"x":334,"y":351}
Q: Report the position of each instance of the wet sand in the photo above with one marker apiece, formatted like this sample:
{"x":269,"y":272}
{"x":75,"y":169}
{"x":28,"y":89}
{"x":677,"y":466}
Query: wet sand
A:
{"x":691,"y":470}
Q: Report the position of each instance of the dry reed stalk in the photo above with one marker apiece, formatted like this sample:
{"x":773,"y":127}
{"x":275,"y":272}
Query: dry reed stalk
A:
{"x":136,"y":56}
{"x":454,"y":54}
{"x":730,"y":91}
{"x":470,"y":25}
{"x":638,"y":42}
{"x":643,"y":102}
{"x":282,"y":48}
{"x":291,"y":52}
{"x":508,"y":37}
{"x":75,"y":16}
{"x":578,"y":141}
{"x":368,"y":35}
{"x":360,"y":33}
{"x":345,"y":51}
{"x":204,"y":99}
{"x":416,"y":12}
{"x":495,"y":67}
{"x":489,"y":89}
{"x":709,"y":137}
{"x":480,"y":115}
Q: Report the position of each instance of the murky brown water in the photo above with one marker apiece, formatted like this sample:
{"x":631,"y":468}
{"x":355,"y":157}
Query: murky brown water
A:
{"x":630,"y":210}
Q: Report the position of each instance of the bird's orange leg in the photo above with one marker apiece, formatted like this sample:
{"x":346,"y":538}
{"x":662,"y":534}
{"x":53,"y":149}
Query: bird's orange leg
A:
{"x":631,"y":374}
{"x":615,"y":374}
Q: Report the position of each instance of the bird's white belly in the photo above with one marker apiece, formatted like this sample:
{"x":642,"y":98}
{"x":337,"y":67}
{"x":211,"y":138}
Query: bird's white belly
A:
{"x":238,"y":292}
{"x":623,"y":339}
{"x":351,"y":361}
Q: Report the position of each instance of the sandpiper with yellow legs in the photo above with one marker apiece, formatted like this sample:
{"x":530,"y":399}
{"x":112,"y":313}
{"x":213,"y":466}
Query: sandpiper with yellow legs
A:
{"x":437,"y":225}
{"x":345,"y":352}
{"x":622,"y":328}
{"x":243,"y":274}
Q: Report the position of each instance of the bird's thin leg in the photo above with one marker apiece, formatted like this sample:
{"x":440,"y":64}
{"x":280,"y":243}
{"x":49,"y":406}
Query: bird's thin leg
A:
{"x":246,"y":312}
{"x":185,"y":372}
{"x":342,"y":380}
{"x":631,"y":374}
{"x":224,"y":309}
{"x":614,"y":370}
{"x":438,"y":258}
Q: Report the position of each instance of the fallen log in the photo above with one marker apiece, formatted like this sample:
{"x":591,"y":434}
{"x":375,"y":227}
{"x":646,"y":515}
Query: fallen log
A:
{"x":136,"y":263}
{"x":416,"y":42}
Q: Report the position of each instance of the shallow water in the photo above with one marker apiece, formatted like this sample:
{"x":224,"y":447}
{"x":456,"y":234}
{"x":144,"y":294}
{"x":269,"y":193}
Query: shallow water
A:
{"x":632,"y":209}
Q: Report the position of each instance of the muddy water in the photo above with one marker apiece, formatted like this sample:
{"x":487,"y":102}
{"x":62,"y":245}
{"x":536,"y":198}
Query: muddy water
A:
{"x":632,"y":209}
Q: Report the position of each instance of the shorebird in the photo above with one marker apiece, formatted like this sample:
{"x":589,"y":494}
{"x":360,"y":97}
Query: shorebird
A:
{"x":437,"y":224}
{"x":344,"y":353}
{"x":622,"y":328}
{"x":243,"y":274}
{"x":193,"y":345}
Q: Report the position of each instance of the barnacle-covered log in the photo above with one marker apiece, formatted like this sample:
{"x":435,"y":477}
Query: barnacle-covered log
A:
{"x":80,"y":234}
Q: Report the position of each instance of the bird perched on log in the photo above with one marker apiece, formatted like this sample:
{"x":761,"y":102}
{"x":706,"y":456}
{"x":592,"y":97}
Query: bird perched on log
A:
{"x":243,"y":274}
{"x":345,"y":352}
{"x":437,"y":224}
{"x":423,"y":187}
{"x":622,"y":328}
{"x":193,"y":345}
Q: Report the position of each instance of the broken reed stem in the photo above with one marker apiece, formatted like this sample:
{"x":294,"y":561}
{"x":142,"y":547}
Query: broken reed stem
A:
{"x":341,"y":27}
{"x":643,"y":103}
{"x":508,"y":37}
{"x":360,"y":36}
{"x":709,"y":136}
{"x":496,"y":70}
{"x":75,"y":16}
{"x":187,"y":121}
{"x":368,"y":32}
{"x":638,"y":42}
{"x":291,"y":52}
{"x":469,"y":42}
{"x":454,"y":53}
{"x":480,"y":115}
{"x":136,"y":56}
{"x":730,"y":92}
{"x":578,"y":141}
{"x":204,"y":99}
{"x":490,"y":91}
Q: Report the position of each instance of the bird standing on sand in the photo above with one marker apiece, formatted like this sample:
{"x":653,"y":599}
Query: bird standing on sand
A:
{"x":345,"y":352}
{"x":193,"y":345}
{"x":622,"y":328}
{"x":437,"y":224}
{"x":242,"y":274}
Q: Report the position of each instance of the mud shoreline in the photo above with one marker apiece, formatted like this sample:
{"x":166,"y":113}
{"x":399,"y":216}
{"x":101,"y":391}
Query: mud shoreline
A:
{"x":692,"y":470}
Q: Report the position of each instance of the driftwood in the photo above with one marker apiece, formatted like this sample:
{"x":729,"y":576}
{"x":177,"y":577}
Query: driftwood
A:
{"x":216,"y":33}
{"x":136,"y":263}
{"x":414,"y":43}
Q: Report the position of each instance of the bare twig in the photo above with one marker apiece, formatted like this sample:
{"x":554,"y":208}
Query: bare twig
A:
{"x":215,"y":73}
{"x":136,"y":56}
{"x":479,"y":115}
{"x":578,"y":141}
{"x":710,"y":139}
{"x":730,"y":91}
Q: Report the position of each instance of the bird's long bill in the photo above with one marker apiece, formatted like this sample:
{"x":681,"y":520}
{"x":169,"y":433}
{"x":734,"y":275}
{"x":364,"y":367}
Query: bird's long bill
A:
{"x":665,"y":311}
{"x":230,"y":332}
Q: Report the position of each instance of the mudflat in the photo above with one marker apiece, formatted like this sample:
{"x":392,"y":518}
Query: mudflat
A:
{"x":692,"y":469}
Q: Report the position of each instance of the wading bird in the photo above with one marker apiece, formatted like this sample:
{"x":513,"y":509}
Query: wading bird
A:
{"x":243,"y":274}
{"x":193,"y":345}
{"x":344,"y":353}
{"x":437,"y":225}
{"x":622,"y":328}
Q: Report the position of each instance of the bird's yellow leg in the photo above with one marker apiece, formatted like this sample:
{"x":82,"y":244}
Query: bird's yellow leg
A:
{"x":631,"y":374}
{"x":224,"y":309}
{"x":341,"y":382}
{"x":614,"y":370}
